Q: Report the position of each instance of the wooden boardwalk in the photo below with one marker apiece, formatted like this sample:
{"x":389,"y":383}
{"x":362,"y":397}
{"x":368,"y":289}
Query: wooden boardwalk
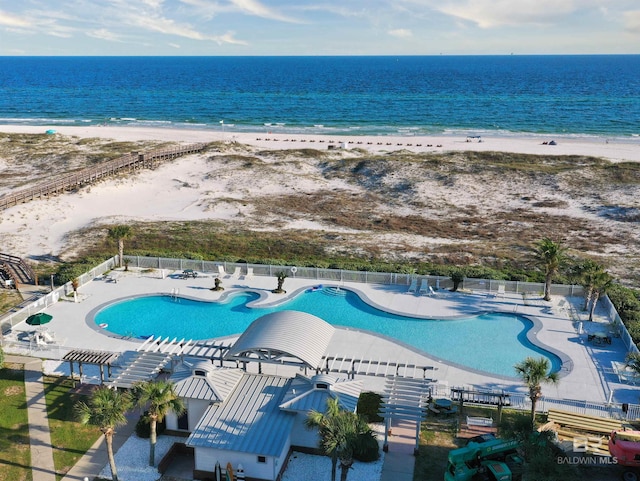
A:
{"x":93,"y":174}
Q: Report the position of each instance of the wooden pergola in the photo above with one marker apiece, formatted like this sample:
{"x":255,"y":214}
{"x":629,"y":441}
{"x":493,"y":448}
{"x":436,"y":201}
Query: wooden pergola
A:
{"x":405,"y":399}
{"x":86,"y":356}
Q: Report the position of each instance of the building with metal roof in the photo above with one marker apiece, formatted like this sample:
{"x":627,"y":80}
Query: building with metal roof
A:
{"x":249,"y":428}
{"x":251,"y":419}
{"x":284,"y":337}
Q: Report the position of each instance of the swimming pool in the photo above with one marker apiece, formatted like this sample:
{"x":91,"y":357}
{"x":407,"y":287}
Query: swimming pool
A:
{"x":489,"y":342}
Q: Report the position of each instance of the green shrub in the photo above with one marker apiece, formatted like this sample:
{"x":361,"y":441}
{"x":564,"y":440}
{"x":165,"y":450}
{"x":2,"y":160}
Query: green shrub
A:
{"x":366,"y":449}
{"x":369,"y":406}
{"x":143,"y":427}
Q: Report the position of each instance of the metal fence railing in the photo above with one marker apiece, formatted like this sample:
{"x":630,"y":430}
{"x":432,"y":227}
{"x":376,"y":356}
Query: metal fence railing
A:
{"x":518,"y":401}
{"x":342,"y":275}
{"x":39,"y":303}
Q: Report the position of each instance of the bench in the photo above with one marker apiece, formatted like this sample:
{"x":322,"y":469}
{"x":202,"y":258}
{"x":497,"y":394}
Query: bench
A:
{"x":583,"y":422}
{"x":476,"y":426}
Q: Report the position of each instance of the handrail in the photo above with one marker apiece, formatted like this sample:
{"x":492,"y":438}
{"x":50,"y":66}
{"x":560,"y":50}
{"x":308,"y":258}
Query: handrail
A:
{"x":91,"y":174}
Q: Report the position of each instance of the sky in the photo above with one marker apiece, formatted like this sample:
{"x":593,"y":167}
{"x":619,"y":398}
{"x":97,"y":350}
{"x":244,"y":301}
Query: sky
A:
{"x":325,"y":27}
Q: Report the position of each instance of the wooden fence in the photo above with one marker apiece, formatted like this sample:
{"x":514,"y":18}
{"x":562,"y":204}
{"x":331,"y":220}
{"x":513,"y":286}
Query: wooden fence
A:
{"x":95,"y":173}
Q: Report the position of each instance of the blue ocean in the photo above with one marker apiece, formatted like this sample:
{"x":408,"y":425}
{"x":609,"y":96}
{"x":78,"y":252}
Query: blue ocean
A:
{"x":562,"y":95}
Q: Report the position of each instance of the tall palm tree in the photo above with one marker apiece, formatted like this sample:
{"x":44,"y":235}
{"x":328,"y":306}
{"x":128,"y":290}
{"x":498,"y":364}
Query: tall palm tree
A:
{"x":549,"y":255}
{"x":106,"y":408}
{"x":587,"y":273}
{"x":533,"y":373}
{"x":159,"y":398}
{"x":342,"y":433}
{"x":601,"y":282}
{"x":120,"y":233}
{"x":326,"y":430}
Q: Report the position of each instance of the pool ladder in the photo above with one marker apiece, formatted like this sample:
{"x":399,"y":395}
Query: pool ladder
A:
{"x":175,"y":295}
{"x":334,"y":291}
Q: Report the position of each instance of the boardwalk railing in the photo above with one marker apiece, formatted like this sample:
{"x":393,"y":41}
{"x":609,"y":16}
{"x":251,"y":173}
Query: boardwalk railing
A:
{"x":19,"y":263}
{"x":92,"y":174}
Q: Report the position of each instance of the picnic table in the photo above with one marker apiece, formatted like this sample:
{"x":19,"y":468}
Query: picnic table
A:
{"x":599,"y":337}
{"x":187,"y":273}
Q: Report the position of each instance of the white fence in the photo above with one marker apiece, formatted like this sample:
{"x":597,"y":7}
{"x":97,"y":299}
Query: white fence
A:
{"x":341,"y":275}
{"x":31,"y":306}
{"x":518,"y":400}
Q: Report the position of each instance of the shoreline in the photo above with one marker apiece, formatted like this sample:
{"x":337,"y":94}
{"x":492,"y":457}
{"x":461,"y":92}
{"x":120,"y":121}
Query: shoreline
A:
{"x":610,"y":148}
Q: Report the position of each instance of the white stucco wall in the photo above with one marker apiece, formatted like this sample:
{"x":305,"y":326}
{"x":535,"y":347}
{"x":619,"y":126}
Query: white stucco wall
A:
{"x":301,"y":436}
{"x":205,"y":460}
{"x":195,"y":408}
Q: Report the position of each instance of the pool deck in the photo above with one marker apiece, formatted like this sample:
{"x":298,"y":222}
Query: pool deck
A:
{"x":589,"y":378}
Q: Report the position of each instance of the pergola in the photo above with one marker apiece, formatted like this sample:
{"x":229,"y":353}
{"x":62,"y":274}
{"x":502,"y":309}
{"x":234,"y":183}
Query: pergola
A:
{"x":405,"y":399}
{"x":86,"y":356}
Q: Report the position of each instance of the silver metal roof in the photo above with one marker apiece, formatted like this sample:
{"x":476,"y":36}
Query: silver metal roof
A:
{"x":303,"y":395}
{"x":215,"y":385}
{"x":284,"y":337}
{"x":249,"y":421}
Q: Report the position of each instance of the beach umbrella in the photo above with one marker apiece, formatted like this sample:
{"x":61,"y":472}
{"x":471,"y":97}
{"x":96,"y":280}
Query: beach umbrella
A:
{"x":38,"y":319}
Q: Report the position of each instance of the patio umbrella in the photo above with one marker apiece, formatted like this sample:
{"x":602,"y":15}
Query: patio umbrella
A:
{"x":38,"y":319}
{"x":218,"y":471}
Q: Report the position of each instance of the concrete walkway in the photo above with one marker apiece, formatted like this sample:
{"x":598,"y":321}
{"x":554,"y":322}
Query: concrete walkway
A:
{"x":39,"y":436}
{"x":399,"y":461}
{"x":95,"y":459}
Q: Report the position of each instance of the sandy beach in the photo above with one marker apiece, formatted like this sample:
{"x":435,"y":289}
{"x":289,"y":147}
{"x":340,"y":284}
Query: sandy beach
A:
{"x":612,"y":149}
{"x":199,"y":187}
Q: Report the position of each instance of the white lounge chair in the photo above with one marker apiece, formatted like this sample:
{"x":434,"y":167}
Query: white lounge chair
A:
{"x":413,"y":286}
{"x":501,"y":291}
{"x":432,"y":292}
{"x":221,"y":271}
{"x":236,"y":272}
{"x":424,"y":287}
{"x":249,"y":273}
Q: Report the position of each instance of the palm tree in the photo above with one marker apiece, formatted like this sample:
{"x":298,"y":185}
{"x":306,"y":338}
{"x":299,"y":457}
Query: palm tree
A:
{"x":586,"y":273}
{"x":342,"y":434}
{"x":326,"y":429}
{"x":160,"y":398}
{"x":533,"y":373}
{"x":106,"y":409}
{"x":549,"y":255}
{"x":601,"y":282}
{"x":633,"y":361}
{"x":120,"y":233}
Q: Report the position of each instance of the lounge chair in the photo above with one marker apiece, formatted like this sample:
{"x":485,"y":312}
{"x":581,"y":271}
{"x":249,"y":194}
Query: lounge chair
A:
{"x":249,"y":273}
{"x":432,"y":292}
{"x":424,"y":287}
{"x":221,"y":271}
{"x":236,"y":272}
{"x":501,"y":290}
{"x":413,"y":286}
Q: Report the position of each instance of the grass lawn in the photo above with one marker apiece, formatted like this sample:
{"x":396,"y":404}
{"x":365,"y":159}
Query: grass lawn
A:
{"x":438,"y":437}
{"x":15,"y":456}
{"x":69,"y":438}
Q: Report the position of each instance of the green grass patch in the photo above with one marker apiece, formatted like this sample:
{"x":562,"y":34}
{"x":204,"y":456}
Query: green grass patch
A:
{"x":15,"y":455}
{"x":70,"y":439}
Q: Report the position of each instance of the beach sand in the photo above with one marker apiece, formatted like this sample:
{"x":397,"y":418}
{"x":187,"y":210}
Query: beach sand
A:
{"x":191,"y":188}
{"x":612,"y":149}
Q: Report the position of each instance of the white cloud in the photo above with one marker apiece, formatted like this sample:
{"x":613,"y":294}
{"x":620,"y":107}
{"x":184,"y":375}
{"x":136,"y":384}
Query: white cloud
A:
{"x":255,"y":8}
{"x":400,"y":33}
{"x":229,"y":38}
{"x":493,"y":13}
{"x":103,"y":34}
{"x":8,"y":20}
{"x":632,"y":21}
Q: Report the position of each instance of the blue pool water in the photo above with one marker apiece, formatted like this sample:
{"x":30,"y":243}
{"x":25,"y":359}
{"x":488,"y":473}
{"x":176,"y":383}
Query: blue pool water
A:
{"x":490,"y":342}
